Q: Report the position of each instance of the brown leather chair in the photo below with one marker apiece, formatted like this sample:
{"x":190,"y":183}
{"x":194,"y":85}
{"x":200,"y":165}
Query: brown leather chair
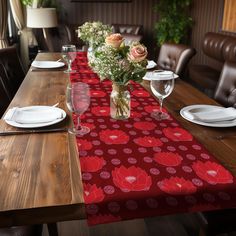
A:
{"x":129,"y":32}
{"x":226,"y":89}
{"x":35,"y":230}
{"x":5,"y":97}
{"x":175,"y":57}
{"x":12,"y":65}
{"x":223,"y":221}
{"x":220,"y":48}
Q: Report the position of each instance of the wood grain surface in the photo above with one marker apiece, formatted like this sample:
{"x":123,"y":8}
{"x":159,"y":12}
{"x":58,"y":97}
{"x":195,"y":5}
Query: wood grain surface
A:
{"x":40,"y":171}
{"x":40,"y":177}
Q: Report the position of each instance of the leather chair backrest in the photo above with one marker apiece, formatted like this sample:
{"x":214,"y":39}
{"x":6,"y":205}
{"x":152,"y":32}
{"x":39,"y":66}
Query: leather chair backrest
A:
{"x":226,"y":88}
{"x":219,"y":46}
{"x":5,"y":97}
{"x":175,"y":57}
{"x":12,"y":65}
{"x":229,"y":53}
{"x":127,"y":29}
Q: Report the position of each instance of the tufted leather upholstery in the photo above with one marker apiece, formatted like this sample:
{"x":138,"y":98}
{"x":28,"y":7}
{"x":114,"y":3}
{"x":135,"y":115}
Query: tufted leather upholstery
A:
{"x":216,"y":46}
{"x":129,"y":32}
{"x":175,"y":57}
{"x":127,"y":29}
{"x":11,"y":62}
{"x":226,"y":88}
{"x":5,"y":97}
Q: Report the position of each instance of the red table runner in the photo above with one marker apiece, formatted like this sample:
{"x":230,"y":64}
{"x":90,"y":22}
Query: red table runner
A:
{"x":141,"y":167}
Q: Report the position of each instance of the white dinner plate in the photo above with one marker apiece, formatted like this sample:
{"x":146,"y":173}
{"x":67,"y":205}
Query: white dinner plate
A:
{"x":47,"y":64}
{"x":206,"y":108}
{"x":149,"y":76}
{"x":37,"y":125}
{"x":151,"y":64}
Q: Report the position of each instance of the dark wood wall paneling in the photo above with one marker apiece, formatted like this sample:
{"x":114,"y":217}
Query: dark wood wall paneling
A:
{"x":135,"y":12}
{"x":207,"y":16}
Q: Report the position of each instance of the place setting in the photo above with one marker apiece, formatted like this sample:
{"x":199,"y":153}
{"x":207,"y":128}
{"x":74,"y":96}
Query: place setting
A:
{"x":68,"y":53}
{"x":31,"y":118}
{"x":210,"y":115}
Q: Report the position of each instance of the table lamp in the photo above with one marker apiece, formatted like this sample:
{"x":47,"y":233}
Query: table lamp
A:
{"x":42,"y":18}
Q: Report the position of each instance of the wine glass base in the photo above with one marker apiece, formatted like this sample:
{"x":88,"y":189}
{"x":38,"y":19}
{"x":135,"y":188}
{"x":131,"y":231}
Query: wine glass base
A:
{"x":69,"y":71}
{"x":79,"y":132}
{"x":160,"y":115}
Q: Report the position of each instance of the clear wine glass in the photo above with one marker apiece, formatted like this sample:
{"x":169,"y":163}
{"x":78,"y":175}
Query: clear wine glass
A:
{"x":162,"y":84}
{"x":77,"y":101}
{"x":69,"y":55}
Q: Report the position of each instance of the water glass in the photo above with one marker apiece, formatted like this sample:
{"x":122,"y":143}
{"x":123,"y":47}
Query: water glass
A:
{"x":69,"y":55}
{"x":162,"y":84}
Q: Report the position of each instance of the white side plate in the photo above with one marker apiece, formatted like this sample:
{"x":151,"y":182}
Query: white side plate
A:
{"x":206,"y":108}
{"x":37,"y":125}
{"x":47,"y":64}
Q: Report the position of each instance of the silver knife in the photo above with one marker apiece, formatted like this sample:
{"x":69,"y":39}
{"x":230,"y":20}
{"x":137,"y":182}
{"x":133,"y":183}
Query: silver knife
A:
{"x":32,"y":131}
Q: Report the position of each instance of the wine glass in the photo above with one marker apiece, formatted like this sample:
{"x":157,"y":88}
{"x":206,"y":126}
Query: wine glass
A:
{"x":69,"y":55}
{"x":77,"y":101}
{"x":162,"y":84}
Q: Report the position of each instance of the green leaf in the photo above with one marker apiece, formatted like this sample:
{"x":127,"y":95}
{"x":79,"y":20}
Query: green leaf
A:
{"x":174,"y":20}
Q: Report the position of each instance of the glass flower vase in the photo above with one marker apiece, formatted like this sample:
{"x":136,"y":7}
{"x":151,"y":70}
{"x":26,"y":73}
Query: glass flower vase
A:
{"x":120,"y":102}
{"x":90,"y":55}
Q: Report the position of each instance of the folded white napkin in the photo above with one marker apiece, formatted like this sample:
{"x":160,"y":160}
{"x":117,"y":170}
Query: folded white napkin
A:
{"x":151,"y":64}
{"x":216,"y":115}
{"x":33,"y":114}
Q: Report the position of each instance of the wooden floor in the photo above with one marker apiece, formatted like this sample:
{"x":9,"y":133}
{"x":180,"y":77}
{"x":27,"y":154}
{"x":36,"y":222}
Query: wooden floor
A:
{"x":177,"y":225}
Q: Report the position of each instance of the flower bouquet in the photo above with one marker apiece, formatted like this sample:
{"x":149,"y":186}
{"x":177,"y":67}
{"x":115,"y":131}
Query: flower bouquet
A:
{"x":120,"y":63}
{"x":94,"y":33}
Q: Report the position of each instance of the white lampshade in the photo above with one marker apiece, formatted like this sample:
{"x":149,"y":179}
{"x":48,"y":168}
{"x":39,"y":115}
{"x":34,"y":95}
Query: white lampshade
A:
{"x":41,"y":17}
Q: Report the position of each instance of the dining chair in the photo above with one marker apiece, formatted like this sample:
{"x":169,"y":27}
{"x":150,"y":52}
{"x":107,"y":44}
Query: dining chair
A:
{"x":225,"y":92}
{"x":175,"y":57}
{"x":219,"y":222}
{"x":35,"y":230}
{"x":10,"y":60}
{"x":222,"y":221}
{"x":5,"y":97}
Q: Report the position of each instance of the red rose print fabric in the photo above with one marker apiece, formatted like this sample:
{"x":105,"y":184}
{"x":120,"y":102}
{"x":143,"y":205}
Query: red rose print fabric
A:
{"x":113,"y":137}
{"x":142,"y":167}
{"x":148,"y":141}
{"x":168,"y":158}
{"x":212,"y":172}
{"x":91,"y":164}
{"x":92,"y":193}
{"x":177,"y":186}
{"x":131,"y":179}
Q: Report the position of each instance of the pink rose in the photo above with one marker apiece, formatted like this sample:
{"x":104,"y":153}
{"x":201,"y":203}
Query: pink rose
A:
{"x":137,"y":53}
{"x":114,"y":40}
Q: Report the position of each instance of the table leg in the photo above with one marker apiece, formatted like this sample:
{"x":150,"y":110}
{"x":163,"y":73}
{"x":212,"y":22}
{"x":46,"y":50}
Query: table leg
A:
{"x":52,"y":229}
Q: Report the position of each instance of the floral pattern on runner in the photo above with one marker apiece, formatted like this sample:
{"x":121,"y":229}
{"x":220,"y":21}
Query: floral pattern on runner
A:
{"x":142,"y":167}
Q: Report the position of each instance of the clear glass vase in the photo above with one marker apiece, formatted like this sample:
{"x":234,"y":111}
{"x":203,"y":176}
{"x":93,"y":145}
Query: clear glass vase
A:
{"x":120,"y":102}
{"x":90,"y":55}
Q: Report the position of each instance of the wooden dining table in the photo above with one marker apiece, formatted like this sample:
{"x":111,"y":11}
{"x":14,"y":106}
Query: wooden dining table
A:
{"x":40,"y":178}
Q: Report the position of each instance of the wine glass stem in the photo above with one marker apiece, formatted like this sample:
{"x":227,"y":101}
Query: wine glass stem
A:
{"x":78,"y":127}
{"x":161,"y":103}
{"x":69,"y":65}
